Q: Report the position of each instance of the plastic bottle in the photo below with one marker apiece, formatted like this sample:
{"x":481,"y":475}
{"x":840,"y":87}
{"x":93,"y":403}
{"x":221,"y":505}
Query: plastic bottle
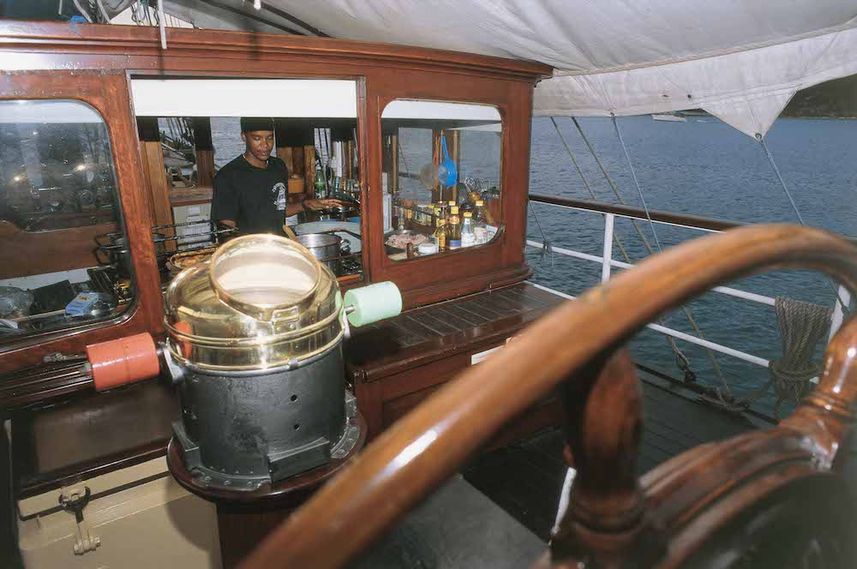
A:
{"x":468,"y":237}
{"x":480,"y":228}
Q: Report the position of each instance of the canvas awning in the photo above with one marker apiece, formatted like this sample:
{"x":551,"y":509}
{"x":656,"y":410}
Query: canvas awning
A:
{"x":741,"y":60}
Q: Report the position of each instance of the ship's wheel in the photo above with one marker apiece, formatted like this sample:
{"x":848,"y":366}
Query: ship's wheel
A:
{"x":771,"y":498}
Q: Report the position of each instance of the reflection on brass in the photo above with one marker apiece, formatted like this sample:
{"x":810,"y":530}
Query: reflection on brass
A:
{"x":187,"y":259}
{"x":260,"y":302}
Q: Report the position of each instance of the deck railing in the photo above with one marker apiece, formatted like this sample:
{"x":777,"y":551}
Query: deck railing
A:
{"x":610,"y":212}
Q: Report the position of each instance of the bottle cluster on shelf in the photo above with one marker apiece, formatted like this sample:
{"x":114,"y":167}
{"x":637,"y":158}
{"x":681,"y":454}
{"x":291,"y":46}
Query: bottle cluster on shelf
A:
{"x":444,"y":225}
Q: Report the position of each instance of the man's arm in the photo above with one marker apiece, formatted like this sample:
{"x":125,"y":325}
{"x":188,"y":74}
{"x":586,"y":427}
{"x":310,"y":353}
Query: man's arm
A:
{"x":224,"y":201}
{"x":297,"y":207}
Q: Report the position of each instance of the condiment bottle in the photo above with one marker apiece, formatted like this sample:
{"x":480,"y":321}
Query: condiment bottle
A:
{"x":454,"y":230}
{"x":440,"y":233}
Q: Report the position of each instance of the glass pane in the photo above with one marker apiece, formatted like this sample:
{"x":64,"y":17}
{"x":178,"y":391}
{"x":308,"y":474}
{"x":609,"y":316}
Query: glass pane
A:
{"x":297,"y":177}
{"x":441,"y":177}
{"x":64,"y":257}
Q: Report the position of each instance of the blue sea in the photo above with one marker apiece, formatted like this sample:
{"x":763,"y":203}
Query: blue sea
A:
{"x":701,"y":167}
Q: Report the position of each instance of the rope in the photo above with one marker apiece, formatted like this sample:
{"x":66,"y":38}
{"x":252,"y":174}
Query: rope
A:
{"x":547,"y":248}
{"x":636,"y":181}
{"x":786,"y":191}
{"x":802,"y":325}
{"x":780,"y":177}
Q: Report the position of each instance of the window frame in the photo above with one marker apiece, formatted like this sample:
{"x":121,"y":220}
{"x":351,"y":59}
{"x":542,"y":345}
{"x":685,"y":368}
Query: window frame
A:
{"x":432,"y":131}
{"x":500,"y":262}
{"x":108,"y":94}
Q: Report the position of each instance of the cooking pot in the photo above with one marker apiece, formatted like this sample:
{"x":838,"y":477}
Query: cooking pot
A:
{"x":113,"y":250}
{"x":336,"y":213}
{"x":327,"y":248}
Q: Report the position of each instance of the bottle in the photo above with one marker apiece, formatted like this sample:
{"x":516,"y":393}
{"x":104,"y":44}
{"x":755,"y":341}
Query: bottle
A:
{"x":454,"y":230}
{"x":480,"y":228}
{"x":319,"y":180}
{"x":440,"y":233}
{"x":441,"y":209}
{"x":468,"y":237}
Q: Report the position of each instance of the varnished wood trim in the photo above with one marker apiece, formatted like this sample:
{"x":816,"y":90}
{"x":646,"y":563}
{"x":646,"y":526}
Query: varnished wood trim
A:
{"x":131,"y":40}
{"x":107,"y":93}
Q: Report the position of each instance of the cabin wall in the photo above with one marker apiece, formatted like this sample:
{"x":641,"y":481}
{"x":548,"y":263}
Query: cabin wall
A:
{"x":94,"y":64}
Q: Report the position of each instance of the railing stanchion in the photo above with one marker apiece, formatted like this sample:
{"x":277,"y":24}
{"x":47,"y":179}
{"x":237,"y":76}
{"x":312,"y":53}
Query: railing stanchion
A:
{"x":838,"y":311}
{"x":607,"y":257}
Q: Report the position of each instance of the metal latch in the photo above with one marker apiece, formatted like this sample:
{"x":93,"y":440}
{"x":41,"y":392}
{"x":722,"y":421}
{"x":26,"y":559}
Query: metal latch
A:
{"x":74,"y":501}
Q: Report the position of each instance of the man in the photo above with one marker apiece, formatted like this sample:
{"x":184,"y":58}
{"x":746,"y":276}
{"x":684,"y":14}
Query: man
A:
{"x":251,"y":192}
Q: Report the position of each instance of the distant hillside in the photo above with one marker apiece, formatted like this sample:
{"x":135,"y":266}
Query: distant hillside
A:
{"x":837,"y":98}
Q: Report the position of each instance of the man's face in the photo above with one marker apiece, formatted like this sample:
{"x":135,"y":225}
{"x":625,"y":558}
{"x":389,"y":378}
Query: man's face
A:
{"x":259,"y":143}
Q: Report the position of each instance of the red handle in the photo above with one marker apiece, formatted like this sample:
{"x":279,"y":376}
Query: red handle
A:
{"x":124,"y":360}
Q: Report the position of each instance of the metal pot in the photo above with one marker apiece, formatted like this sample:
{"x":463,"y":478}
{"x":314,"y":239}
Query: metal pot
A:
{"x":337,"y":213}
{"x":327,"y":248}
{"x":113,"y":250}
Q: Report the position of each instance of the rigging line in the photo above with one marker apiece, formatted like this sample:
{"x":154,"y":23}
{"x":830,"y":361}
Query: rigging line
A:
{"x":611,"y":183}
{"x":779,"y":177}
{"x":682,"y":360}
{"x":686,"y":310}
{"x":538,"y":223}
{"x":636,"y":181}
{"x":589,"y":189}
{"x":785,"y":188}
{"x":547,"y":249}
{"x":573,"y":159}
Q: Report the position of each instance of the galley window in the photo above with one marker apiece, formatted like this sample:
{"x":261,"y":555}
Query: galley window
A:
{"x":191,"y":132}
{"x":64,"y":256}
{"x":441,"y":177}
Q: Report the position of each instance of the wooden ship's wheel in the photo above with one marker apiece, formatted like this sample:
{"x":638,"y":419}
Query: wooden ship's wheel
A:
{"x":772,"y":498}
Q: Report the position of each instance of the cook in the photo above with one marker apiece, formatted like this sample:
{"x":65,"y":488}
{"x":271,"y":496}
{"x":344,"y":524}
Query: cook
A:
{"x":250,"y":192}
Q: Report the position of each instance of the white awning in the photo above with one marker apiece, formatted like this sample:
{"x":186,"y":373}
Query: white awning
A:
{"x":741,"y":60}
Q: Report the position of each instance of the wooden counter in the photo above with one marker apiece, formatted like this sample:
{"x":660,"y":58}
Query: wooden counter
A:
{"x":395,"y":364}
{"x":392,"y":365}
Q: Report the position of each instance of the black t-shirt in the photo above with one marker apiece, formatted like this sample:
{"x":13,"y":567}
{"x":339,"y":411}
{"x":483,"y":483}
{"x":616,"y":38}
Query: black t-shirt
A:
{"x":254,"y":197}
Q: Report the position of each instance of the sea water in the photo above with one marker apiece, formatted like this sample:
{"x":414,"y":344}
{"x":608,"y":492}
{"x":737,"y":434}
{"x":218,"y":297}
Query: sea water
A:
{"x":700,"y":167}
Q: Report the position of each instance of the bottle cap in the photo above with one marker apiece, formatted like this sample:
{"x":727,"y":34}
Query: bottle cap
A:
{"x":467,"y":214}
{"x":454,"y":210}
{"x":480,"y":203}
{"x":451,"y":203}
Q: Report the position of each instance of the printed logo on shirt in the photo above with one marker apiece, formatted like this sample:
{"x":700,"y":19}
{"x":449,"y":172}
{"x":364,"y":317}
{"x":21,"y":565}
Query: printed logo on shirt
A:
{"x":279,"y":193}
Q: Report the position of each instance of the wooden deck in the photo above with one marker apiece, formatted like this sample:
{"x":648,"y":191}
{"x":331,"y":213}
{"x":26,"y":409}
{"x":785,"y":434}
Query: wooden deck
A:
{"x":507,"y":500}
{"x":525,"y":479}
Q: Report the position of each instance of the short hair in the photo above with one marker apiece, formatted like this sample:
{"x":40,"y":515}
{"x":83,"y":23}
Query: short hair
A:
{"x":250,"y":124}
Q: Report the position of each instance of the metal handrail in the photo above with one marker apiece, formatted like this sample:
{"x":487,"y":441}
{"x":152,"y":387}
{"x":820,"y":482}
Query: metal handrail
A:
{"x":691,"y":221}
{"x":611,"y":211}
